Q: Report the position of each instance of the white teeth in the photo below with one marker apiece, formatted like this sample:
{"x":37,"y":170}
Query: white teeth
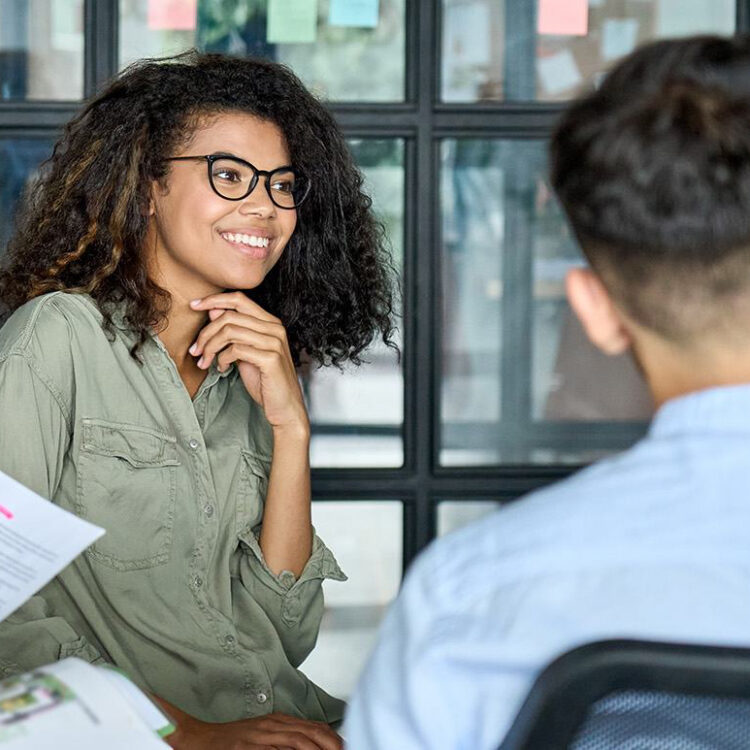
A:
{"x":246,"y":239}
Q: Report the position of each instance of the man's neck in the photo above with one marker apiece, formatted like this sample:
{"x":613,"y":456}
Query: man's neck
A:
{"x":673,"y":371}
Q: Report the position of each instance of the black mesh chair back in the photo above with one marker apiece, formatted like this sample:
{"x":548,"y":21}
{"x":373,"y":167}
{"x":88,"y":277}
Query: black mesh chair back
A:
{"x":638,"y":695}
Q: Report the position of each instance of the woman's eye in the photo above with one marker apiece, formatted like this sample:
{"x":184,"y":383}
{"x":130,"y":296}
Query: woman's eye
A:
{"x":283,"y":186}
{"x":228,"y":175}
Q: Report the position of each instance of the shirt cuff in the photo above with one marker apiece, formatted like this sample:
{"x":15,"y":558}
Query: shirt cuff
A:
{"x":320,"y":565}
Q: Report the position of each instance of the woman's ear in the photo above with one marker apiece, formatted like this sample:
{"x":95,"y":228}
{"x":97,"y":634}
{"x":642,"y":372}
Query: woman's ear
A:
{"x":151,"y":201}
{"x":157,"y":189}
{"x":601,"y":320}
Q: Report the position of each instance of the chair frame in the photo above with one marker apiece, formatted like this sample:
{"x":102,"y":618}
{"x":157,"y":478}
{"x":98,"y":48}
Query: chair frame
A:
{"x":587,"y":673}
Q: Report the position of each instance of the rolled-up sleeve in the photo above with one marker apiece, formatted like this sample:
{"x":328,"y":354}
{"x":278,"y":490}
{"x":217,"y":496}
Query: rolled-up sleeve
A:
{"x":294,"y":605}
{"x":34,"y":436}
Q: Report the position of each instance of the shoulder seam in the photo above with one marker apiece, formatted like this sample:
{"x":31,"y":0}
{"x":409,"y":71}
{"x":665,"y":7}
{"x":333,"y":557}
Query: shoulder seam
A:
{"x":56,"y":395}
{"x":23,"y":340}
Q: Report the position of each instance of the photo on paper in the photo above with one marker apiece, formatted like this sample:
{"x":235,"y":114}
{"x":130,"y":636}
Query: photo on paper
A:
{"x":29,"y":696}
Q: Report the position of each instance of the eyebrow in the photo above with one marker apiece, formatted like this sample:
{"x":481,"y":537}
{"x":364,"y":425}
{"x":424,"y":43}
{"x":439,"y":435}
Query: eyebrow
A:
{"x":242,"y":158}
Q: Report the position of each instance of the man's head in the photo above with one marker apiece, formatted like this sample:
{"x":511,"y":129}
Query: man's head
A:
{"x":653,"y":171}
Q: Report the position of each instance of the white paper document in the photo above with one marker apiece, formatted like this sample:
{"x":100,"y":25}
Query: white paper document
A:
{"x":37,"y":540}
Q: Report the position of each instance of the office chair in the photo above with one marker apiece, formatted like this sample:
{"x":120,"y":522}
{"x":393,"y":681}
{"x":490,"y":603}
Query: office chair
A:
{"x":638,"y":695}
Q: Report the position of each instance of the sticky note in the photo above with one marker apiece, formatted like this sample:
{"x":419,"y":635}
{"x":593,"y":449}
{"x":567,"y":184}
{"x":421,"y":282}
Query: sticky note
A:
{"x":563,"y":17}
{"x":558,"y":72}
{"x":174,"y":15}
{"x":704,"y":17}
{"x":619,"y":37}
{"x":292,"y":21}
{"x":361,"y":13}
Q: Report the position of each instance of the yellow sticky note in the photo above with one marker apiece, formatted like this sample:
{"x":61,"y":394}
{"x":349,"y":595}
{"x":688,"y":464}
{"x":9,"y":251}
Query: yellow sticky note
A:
{"x":292,"y":21}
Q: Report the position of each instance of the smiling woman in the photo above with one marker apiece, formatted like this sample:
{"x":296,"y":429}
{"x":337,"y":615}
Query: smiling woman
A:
{"x":199,"y":229}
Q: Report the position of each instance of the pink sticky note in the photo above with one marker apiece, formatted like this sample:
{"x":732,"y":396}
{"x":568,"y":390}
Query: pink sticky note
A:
{"x":569,"y":17}
{"x":179,"y":15}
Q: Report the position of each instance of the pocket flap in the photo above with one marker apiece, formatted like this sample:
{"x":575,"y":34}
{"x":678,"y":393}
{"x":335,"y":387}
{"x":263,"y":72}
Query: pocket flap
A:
{"x":257,"y":464}
{"x":139,"y":446}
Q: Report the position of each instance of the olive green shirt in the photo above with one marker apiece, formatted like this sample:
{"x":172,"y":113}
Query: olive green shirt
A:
{"x":177,"y":592}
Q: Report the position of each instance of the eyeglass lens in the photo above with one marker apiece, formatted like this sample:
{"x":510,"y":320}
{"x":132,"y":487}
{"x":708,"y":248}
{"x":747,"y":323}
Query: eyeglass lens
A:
{"x":233,"y":180}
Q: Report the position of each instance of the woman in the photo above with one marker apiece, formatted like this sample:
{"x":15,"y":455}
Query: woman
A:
{"x":198,"y":230}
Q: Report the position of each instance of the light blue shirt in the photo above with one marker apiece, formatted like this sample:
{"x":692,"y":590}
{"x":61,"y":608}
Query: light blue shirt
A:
{"x":652,"y":544}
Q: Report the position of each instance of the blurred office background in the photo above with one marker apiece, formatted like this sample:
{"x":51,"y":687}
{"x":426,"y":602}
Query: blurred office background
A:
{"x":447,"y":106}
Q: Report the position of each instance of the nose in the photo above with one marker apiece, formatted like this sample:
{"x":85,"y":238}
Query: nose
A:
{"x":259,"y":202}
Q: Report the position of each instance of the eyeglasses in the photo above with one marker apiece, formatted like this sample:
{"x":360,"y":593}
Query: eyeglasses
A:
{"x":233,"y":179}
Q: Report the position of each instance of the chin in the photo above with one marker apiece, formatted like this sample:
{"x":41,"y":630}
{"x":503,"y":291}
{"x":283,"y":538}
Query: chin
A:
{"x":243,"y":281}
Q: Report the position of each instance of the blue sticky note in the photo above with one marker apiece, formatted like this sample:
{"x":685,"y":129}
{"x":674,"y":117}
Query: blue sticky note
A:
{"x":361,"y":13}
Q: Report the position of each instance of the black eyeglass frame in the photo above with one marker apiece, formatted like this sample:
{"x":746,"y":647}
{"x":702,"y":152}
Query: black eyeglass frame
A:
{"x":257,"y":174}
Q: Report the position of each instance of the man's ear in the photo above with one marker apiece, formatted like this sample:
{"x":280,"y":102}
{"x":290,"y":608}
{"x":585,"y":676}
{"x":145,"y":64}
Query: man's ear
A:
{"x":601,"y":320}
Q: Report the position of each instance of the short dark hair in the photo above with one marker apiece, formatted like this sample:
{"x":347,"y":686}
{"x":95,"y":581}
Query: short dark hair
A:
{"x":83,"y":223}
{"x":653,"y":171}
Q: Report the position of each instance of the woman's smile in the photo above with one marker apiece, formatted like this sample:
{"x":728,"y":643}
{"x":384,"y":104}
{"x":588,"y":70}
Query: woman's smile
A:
{"x":255,"y":243}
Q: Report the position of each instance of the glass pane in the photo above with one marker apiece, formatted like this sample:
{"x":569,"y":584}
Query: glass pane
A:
{"x":357,"y":414}
{"x":496,"y":50}
{"x":20,"y":158}
{"x":472,"y":184}
{"x":41,"y":49}
{"x":452,"y":515}
{"x":365,"y":538}
{"x":328,"y":52}
{"x":519,"y":376}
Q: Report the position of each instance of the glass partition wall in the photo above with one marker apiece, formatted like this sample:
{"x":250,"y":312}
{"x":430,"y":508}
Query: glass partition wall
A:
{"x":447,"y":106}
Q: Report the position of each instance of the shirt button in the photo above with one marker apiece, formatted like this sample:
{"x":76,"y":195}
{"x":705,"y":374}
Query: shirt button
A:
{"x":229,"y":640}
{"x":194,"y":444}
{"x":208,"y":510}
{"x":261,"y":697}
{"x":197,"y":581}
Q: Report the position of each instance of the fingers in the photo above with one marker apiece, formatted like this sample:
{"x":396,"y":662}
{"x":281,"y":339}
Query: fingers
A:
{"x":263,"y":359}
{"x":241,"y":339}
{"x":318,"y":731}
{"x":233,"y":301}
{"x":300,"y":734}
{"x":230,"y":326}
{"x":273,"y":732}
{"x":281,"y":738}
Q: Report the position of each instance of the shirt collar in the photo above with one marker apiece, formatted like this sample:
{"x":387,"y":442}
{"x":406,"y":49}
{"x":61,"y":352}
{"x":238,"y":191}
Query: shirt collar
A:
{"x":117,"y":313}
{"x":212,"y":374}
{"x":724,"y":409}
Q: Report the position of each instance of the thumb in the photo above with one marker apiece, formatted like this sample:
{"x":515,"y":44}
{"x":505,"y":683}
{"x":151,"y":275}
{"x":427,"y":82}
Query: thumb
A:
{"x":215,"y":313}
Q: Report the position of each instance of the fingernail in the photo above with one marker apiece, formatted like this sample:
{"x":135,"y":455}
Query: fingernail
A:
{"x":194,"y":302}
{"x":201,"y":363}
{"x":193,"y":349}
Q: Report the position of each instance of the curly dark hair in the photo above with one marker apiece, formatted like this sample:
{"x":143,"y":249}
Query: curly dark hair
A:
{"x":83,"y":222}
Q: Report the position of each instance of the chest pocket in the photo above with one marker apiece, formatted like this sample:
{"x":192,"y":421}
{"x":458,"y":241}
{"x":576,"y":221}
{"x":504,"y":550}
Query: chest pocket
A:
{"x":127,"y":485}
{"x":251,"y":491}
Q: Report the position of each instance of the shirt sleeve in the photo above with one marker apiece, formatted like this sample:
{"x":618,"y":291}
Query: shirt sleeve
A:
{"x":34,"y":436}
{"x":294,"y":605}
{"x":427,"y":682}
